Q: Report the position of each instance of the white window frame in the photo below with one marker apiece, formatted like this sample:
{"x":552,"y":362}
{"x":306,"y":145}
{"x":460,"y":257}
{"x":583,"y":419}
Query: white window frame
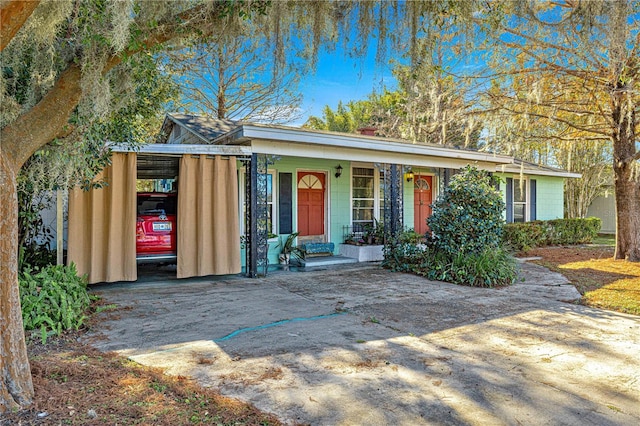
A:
{"x":377,"y":202}
{"x":526,"y":203}
{"x":273,"y":203}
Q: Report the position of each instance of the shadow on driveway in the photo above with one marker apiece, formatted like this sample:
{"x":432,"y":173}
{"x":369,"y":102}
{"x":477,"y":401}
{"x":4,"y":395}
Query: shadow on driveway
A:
{"x":363,"y":345}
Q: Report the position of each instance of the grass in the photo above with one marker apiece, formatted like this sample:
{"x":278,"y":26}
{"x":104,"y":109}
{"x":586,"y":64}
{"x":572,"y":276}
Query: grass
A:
{"x":605,"y":240}
{"x":621,"y":294}
{"x":603,"y":282}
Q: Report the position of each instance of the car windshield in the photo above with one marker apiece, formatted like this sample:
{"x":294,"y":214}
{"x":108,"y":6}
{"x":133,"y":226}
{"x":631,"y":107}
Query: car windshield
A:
{"x":156,"y":204}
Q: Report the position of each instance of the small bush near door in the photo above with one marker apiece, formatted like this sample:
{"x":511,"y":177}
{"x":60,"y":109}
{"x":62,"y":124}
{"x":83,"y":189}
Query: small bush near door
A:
{"x":466,"y":242}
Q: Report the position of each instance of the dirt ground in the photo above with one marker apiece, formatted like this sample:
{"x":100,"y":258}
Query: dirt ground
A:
{"x":367,"y":346}
{"x":75,"y":384}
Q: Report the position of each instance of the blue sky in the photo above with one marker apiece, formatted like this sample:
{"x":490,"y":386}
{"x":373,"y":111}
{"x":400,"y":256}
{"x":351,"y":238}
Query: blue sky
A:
{"x":340,"y":78}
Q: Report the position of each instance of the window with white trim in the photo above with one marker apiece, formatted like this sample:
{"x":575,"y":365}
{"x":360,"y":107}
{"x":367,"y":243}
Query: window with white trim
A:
{"x":367,"y":197}
{"x":363,"y":197}
{"x":271,"y":205}
{"x":520,"y":200}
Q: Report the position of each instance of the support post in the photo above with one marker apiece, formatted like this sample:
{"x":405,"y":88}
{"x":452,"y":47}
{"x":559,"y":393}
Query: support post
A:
{"x":59,"y":228}
{"x":256,"y":246}
{"x":252,"y":214}
{"x":393,"y":200}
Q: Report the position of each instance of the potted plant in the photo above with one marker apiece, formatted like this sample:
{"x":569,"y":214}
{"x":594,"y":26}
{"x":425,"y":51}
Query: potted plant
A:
{"x":289,"y":249}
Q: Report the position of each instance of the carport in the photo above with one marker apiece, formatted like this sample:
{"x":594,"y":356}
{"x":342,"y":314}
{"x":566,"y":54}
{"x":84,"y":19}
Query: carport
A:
{"x":102,"y":220}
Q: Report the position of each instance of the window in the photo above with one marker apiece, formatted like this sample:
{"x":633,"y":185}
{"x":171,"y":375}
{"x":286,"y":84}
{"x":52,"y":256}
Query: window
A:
{"x":363,"y":198}
{"x":521,"y":200}
{"x":270,"y":204}
{"x":367,"y":197}
{"x":381,"y":192}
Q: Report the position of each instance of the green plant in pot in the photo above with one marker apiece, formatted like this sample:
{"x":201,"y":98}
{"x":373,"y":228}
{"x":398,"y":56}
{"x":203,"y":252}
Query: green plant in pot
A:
{"x":289,"y":249}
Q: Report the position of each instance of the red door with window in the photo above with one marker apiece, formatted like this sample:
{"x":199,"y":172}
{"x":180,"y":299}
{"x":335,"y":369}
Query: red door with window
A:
{"x":311,"y":186}
{"x":422,"y":199}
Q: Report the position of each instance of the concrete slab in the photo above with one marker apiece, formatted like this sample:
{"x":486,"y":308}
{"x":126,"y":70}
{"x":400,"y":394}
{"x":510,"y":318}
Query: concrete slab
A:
{"x":314,"y":262}
{"x":362,"y":345}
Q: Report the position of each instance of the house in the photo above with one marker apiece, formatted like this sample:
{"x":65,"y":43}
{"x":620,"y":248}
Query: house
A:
{"x":264,"y":181}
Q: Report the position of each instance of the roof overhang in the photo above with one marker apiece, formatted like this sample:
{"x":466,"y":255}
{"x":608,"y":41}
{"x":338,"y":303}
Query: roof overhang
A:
{"x":181,"y":149}
{"x":326,"y":145}
{"x":528,"y":170}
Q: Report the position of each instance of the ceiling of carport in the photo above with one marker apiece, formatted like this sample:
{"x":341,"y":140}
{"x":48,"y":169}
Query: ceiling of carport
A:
{"x":157,"y":167}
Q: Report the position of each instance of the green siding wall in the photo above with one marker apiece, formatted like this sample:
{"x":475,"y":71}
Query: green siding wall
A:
{"x":339,"y":205}
{"x":550,"y":195}
{"x":550,"y":202}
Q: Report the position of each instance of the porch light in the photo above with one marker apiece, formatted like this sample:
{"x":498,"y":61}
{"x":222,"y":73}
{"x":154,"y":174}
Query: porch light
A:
{"x":409,"y":175}
{"x":338,"y":171}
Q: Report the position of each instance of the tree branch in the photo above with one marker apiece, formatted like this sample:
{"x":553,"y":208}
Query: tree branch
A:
{"x":559,"y":120}
{"x":13,"y":15}
{"x":48,"y":118}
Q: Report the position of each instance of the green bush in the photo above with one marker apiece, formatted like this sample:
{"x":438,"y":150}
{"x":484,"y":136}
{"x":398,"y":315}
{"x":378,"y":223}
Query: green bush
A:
{"x":466,"y":245}
{"x":467,"y":217}
{"x":53,"y":299}
{"x":488,"y":268}
{"x":524,"y":236}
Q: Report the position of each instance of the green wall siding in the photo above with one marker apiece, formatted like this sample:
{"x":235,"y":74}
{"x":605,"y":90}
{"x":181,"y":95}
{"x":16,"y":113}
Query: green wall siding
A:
{"x":550,"y":195}
{"x":550,"y":200}
{"x":339,"y":199}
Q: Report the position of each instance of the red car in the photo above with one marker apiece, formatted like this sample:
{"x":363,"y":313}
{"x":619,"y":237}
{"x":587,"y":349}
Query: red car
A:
{"x":156,"y":227}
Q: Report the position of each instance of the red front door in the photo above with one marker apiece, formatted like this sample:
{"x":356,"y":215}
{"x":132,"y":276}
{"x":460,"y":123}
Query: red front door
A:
{"x":311,"y":203}
{"x":422,"y":199}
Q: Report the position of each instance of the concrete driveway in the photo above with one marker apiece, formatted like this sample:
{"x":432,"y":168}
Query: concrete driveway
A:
{"x":363,"y":345}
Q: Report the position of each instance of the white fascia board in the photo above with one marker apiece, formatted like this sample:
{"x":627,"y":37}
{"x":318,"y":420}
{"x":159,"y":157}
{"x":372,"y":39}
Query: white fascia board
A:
{"x":346,"y":153}
{"x":517,"y":170}
{"x":383,"y":147}
{"x":179,"y":149}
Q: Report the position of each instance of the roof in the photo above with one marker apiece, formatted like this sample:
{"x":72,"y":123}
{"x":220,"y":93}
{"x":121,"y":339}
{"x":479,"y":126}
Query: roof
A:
{"x":282,"y":140}
{"x":206,"y":128}
{"x":294,"y":141}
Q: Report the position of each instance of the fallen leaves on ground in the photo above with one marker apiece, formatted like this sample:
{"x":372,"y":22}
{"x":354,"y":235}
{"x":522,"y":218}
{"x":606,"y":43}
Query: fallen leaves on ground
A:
{"x":604,"y":282}
{"x":77,"y":385}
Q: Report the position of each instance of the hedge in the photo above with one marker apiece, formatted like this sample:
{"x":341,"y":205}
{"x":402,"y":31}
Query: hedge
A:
{"x":539,"y":233}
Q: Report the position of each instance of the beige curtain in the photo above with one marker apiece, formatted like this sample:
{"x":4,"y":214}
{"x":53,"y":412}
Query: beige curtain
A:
{"x":208,"y":227}
{"x":102,"y":224}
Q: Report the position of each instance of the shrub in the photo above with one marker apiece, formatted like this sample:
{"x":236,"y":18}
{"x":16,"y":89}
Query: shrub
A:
{"x":53,"y":299}
{"x":488,"y":268}
{"x":524,"y":236}
{"x":411,"y":236}
{"x":466,"y":245}
{"x":467,"y":217}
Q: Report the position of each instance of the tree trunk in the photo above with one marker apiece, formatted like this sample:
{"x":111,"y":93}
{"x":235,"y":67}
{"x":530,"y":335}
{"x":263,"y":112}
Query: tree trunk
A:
{"x":16,"y":388}
{"x":627,"y":188}
{"x":627,"y":214}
